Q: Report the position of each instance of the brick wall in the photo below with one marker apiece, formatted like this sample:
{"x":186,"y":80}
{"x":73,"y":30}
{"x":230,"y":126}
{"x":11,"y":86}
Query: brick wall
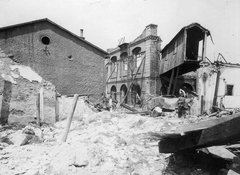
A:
{"x":70,"y":64}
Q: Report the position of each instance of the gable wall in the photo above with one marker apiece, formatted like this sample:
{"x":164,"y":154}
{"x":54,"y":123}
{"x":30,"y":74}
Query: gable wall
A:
{"x":69,"y":63}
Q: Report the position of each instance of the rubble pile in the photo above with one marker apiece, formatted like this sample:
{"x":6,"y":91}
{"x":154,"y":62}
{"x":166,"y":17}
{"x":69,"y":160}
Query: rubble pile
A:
{"x":98,"y":143}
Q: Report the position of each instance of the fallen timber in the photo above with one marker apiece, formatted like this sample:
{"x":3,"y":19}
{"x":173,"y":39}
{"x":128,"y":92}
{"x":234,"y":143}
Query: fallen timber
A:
{"x":220,"y":131}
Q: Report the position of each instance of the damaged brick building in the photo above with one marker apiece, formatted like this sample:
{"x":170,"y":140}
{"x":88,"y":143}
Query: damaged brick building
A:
{"x":62,"y":61}
{"x":68,"y":61}
{"x":141,"y":68}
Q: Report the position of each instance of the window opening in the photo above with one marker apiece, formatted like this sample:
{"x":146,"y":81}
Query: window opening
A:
{"x":137,"y":54}
{"x":138,"y":58}
{"x":114,"y":63}
{"x":229,"y":90}
{"x":45,"y":40}
{"x":125,"y":65}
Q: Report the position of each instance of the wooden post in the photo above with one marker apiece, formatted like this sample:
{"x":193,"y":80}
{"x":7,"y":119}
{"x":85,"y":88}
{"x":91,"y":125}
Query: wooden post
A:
{"x":6,"y":99}
{"x":204,"y":47}
{"x":69,"y":119}
{"x":170,"y":83}
{"x":111,"y":73}
{"x":38,"y":109}
{"x":56,"y":107}
{"x":41,"y":104}
{"x":175,"y":81}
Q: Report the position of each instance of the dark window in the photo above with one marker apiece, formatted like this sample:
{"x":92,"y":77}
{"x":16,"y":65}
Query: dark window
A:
{"x":114,"y":63}
{"x":137,"y":56}
{"x":124,"y":61}
{"x":229,"y":90}
{"x":45,"y":40}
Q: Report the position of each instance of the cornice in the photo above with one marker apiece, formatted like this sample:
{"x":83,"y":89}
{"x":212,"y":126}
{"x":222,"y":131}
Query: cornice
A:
{"x":131,"y":44}
{"x":151,"y":37}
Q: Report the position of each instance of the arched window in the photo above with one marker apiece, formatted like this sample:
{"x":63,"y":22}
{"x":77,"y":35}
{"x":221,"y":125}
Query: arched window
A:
{"x":123,"y":90}
{"x":136,"y":94}
{"x":114,"y":63}
{"x":188,"y":86}
{"x":137,"y":56}
{"x":124,"y":61}
{"x":114,"y":92}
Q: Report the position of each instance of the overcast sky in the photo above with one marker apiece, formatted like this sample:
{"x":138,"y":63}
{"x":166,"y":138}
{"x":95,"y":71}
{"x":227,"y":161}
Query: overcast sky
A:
{"x":106,"y":21}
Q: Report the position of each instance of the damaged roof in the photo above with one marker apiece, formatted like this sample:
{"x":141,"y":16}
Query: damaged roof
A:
{"x":53,"y":23}
{"x":186,"y":28}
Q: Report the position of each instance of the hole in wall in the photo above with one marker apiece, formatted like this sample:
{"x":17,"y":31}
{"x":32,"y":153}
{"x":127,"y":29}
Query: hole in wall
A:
{"x":45,"y":40}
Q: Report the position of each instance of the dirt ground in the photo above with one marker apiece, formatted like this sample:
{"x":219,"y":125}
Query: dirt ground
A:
{"x":103,"y":143}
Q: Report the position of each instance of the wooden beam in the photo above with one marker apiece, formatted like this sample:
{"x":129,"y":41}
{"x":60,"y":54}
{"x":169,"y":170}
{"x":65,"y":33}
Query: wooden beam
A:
{"x":216,"y":132}
{"x":178,"y":85}
{"x":6,"y":99}
{"x":204,"y":47}
{"x":69,"y":119}
{"x":170,"y":83}
{"x":111,"y":73}
{"x":175,"y":81}
{"x":56,"y":107}
{"x":133,"y":79}
{"x":41,"y":104}
{"x":38,"y":109}
{"x":128,"y":107}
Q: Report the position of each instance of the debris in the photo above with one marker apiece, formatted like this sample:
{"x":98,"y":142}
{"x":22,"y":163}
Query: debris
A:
{"x":162,"y":102}
{"x":156,"y":112}
{"x":208,"y":133}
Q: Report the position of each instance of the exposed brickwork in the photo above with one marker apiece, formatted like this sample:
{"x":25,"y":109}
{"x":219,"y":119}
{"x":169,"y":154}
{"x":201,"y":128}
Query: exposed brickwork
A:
{"x":69,"y":63}
{"x":147,"y":76}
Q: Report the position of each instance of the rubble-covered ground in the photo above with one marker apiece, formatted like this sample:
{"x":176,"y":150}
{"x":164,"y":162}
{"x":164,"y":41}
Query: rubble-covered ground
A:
{"x":106,"y":143}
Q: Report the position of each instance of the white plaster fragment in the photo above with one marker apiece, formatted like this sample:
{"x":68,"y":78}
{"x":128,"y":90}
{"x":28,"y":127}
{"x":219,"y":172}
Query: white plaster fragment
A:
{"x":9,"y":78}
{"x":14,"y":75}
{"x":27,"y":72}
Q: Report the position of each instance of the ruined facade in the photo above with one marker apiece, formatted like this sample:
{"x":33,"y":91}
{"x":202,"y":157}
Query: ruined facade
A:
{"x":134,"y":69}
{"x":68,"y":61}
{"x":19,"y":88}
{"x":134,"y":63}
{"x":220,"y":86}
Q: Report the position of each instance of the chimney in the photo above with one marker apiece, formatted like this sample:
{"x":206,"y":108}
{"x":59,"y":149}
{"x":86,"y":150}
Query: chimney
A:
{"x":81,"y":33}
{"x":151,"y":29}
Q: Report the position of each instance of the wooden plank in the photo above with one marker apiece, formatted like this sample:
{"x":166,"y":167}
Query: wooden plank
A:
{"x":128,"y":107}
{"x":6,"y":99}
{"x":111,"y":74}
{"x":221,"y":151}
{"x":41,"y":104}
{"x":221,"y":133}
{"x":170,"y":83}
{"x":144,"y":56}
{"x":175,"y":81}
{"x":38,"y":109}
{"x":56,"y":107}
{"x":69,"y":119}
{"x":204,"y":46}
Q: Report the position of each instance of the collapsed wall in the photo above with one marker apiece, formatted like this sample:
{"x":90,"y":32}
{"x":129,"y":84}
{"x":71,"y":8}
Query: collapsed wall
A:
{"x":19,"y":86}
